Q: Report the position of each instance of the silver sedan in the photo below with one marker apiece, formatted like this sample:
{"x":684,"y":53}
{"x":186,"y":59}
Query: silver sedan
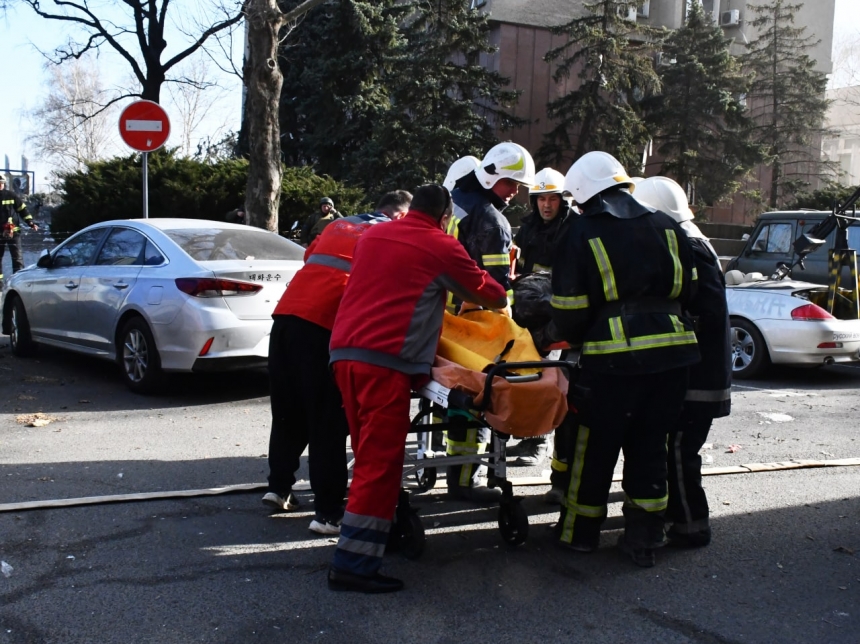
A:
{"x":784,"y":322}
{"x":154,"y":295}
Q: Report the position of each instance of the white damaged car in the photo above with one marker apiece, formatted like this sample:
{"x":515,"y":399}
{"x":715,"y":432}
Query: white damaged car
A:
{"x":785,"y":322}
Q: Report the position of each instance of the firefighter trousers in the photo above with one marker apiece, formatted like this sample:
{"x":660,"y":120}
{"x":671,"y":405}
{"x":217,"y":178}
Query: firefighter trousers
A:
{"x":464,"y":442}
{"x":15,"y":251}
{"x":307,"y":412}
{"x":633,"y":414}
{"x":565,"y":435}
{"x":688,"y":504}
{"x":377,"y":403}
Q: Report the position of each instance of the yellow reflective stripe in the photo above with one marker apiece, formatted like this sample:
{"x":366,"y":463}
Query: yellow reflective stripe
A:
{"x":695,"y":273}
{"x":638,"y":343}
{"x":569,"y":303}
{"x":617,"y":330}
{"x":510,"y":294}
{"x":605,"y":268}
{"x":541,"y":268}
{"x":518,"y":165}
{"x":593,"y":511}
{"x":558,"y":466}
{"x":649,"y":505}
{"x":23,"y":207}
{"x":28,"y":217}
{"x":678,"y":281}
{"x":501,"y":259}
{"x":575,"y":480}
{"x":7,"y":202}
{"x":467,"y":447}
{"x":679,"y":326}
{"x":450,"y":305}
{"x":453,"y":227}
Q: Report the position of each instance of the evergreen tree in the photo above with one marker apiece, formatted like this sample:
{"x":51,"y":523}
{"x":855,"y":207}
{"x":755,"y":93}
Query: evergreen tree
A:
{"x":787,"y":100}
{"x":335,"y":72}
{"x":614,"y":57}
{"x":444,"y":103}
{"x":698,"y":119}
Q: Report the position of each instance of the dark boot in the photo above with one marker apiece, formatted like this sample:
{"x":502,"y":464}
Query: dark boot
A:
{"x":642,"y":557}
{"x":679,"y":539}
{"x":531,"y":452}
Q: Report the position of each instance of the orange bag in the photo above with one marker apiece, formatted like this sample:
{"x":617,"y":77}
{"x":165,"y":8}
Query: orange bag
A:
{"x":520,"y":409}
{"x":476,"y":338}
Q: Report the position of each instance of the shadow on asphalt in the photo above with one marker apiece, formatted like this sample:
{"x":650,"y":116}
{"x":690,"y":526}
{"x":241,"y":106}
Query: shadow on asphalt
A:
{"x":829,"y":377}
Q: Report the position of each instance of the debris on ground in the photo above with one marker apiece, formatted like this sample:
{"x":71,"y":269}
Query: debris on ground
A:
{"x":731,"y":449}
{"x":35,"y":420}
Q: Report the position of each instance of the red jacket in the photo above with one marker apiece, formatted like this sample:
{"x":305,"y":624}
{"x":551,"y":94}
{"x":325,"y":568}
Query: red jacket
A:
{"x":315,"y":292}
{"x":391,"y":313}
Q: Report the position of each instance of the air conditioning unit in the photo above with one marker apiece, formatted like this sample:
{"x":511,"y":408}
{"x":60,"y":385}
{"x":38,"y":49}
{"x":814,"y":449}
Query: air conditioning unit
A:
{"x":730,"y":18}
{"x":644,"y":10}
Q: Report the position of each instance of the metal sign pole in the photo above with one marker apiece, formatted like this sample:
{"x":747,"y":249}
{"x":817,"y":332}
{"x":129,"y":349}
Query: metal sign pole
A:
{"x":145,"y":155}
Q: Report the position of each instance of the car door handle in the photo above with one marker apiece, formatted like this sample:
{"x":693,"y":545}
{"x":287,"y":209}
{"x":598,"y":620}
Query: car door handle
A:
{"x":120,"y":285}
{"x":71,"y":286}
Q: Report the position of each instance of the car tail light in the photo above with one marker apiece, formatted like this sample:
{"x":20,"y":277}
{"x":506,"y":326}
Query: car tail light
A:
{"x":810,"y":312}
{"x":206,"y":347}
{"x":830,"y":345}
{"x":214,"y":287}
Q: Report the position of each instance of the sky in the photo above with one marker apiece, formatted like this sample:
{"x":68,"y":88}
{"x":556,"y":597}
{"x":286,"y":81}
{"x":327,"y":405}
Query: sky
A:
{"x":23,"y":35}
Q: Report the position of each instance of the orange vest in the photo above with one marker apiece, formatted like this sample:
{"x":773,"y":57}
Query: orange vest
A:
{"x":315,"y":292}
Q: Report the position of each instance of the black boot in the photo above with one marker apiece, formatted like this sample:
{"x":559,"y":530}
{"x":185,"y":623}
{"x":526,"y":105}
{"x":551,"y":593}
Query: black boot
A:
{"x":347,"y":581}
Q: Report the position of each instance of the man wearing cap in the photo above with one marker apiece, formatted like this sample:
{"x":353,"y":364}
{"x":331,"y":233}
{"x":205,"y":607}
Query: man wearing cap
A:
{"x":327,"y":212}
{"x":13,"y":212}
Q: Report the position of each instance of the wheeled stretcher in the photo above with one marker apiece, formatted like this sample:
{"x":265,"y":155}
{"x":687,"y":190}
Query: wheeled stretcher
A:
{"x":500,"y":400}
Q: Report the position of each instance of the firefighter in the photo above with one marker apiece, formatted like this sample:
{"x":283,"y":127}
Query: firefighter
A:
{"x":537,"y":239}
{"x":710,"y":387}
{"x":477,"y":222}
{"x":13,"y":212}
{"x":622,"y":278}
{"x":307,"y":411}
{"x":382,"y":346}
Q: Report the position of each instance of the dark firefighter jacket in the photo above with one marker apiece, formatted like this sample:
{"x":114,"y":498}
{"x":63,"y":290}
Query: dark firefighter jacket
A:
{"x":537,"y":240}
{"x":13,"y":210}
{"x":478,"y":223}
{"x":622,"y":277}
{"x":709,"y":391}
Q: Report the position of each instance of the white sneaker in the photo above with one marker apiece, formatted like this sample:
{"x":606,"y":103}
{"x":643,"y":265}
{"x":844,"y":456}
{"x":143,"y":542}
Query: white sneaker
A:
{"x":324,"y":526}
{"x":280,"y":503}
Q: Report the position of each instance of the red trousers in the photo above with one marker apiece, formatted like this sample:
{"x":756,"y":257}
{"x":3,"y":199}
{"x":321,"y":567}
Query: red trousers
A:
{"x":376,"y":400}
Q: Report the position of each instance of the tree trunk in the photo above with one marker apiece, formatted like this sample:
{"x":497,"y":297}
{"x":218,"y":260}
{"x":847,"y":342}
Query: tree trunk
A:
{"x":263,"y":79}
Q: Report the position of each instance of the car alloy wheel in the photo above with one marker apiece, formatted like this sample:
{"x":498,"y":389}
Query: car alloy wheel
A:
{"x":135,"y":355}
{"x":749,"y":352}
{"x":138,"y":357}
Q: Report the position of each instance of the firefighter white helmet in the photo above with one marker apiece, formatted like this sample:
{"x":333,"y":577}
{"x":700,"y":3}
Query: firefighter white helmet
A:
{"x":459,"y":169}
{"x":665,"y":194}
{"x":593,"y":173}
{"x":506,"y":161}
{"x":547,"y":181}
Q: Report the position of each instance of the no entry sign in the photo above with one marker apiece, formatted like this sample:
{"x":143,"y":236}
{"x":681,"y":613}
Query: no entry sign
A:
{"x":144,"y":126}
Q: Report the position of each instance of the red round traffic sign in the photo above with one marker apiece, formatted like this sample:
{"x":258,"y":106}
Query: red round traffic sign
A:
{"x":144,"y":126}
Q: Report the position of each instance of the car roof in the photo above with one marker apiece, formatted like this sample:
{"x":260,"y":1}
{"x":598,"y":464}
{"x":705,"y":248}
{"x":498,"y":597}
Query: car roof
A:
{"x":167,"y":223}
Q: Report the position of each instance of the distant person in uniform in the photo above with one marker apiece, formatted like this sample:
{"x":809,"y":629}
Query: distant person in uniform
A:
{"x":13,"y":213}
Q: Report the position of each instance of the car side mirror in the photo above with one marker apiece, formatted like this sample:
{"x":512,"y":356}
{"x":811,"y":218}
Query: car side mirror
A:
{"x":44,"y":261}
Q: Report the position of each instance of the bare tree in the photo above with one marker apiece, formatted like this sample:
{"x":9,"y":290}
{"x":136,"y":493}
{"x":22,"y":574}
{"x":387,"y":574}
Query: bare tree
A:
{"x":70,"y":127}
{"x":266,"y":26}
{"x":135,"y":29}
{"x":193,"y":97}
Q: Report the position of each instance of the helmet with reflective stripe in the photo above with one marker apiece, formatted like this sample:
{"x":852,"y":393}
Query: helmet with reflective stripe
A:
{"x":506,"y":161}
{"x":460,"y":168}
{"x":665,"y":194}
{"x":593,"y":173}
{"x":547,"y":181}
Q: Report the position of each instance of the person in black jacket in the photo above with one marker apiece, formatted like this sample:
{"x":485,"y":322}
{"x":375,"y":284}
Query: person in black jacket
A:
{"x":709,"y":394}
{"x":537,"y":238}
{"x":13,"y":213}
{"x":623,"y":276}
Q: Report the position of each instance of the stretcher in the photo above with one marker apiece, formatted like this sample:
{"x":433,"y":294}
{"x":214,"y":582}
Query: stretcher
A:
{"x":487,"y":401}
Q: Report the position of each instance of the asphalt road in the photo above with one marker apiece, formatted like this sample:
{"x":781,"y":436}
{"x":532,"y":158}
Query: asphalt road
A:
{"x":781,"y":568}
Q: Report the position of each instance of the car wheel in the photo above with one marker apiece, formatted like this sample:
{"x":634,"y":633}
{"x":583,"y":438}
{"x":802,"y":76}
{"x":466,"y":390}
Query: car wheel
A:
{"x":749,"y":351}
{"x":19,"y":331}
{"x":138,"y":358}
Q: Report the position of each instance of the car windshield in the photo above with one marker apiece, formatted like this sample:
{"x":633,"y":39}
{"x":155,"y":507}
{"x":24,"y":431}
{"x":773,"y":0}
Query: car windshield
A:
{"x":217,"y":244}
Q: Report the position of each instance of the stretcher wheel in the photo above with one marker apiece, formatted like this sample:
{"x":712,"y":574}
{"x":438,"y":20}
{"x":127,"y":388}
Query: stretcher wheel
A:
{"x":412,"y":537}
{"x":425,"y":478}
{"x":513,"y":523}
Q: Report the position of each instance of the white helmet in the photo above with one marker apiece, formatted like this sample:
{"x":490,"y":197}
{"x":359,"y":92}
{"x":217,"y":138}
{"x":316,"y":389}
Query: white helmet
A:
{"x":637,"y":180}
{"x":459,"y":169}
{"x":593,"y":173}
{"x":506,"y":161}
{"x":664,"y":194}
{"x":547,"y":181}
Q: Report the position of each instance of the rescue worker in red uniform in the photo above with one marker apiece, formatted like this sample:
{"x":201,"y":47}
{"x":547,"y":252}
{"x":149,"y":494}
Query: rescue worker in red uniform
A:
{"x":307,"y":410}
{"x":621,"y":280}
{"x":13,"y":213}
{"x":383,"y":344}
{"x":477,"y":221}
{"x":709,"y":393}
